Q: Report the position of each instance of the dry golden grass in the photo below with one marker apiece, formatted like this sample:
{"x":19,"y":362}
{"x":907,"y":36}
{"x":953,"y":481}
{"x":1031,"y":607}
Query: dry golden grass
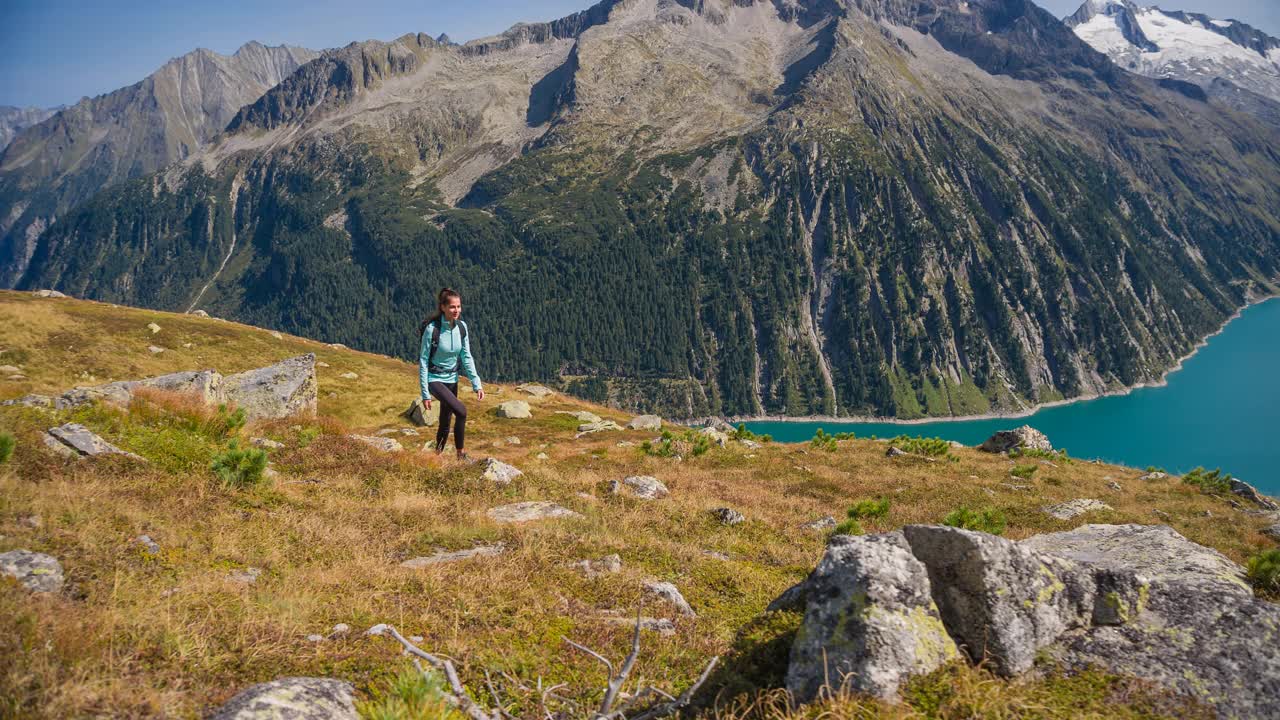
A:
{"x":170,"y":635}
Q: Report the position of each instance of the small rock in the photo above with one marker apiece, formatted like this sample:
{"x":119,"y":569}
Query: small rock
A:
{"x":498,"y":472}
{"x":662,"y":626}
{"x":321,"y":364}
{"x":80,"y":440}
{"x":541,"y":456}
{"x":646,"y":487}
{"x":149,"y":546}
{"x":200,"y":313}
{"x":1250,"y":493}
{"x":1075,"y":508}
{"x":9,"y":370}
{"x":1115,"y":486}
{"x":823,"y":523}
{"x":728,"y":516}
{"x":751,"y":445}
{"x":315,"y":638}
{"x":294,"y":698}
{"x":247,"y":576}
{"x":602,"y":566}
{"x":455,"y":556}
{"x":1023,"y":437}
{"x":381,"y":443}
{"x":339,"y":630}
{"x":625,"y":443}
{"x":671,"y":594}
{"x":30,"y":521}
{"x":537,"y":391}
{"x":1154,"y":476}
{"x":276,"y":335}
{"x":349,"y":376}
{"x":1162,"y":514}
{"x":511,"y":440}
{"x":1273,"y":532}
{"x":715,"y":555}
{"x":36,"y":572}
{"x":187,"y":346}
{"x":337,"y":346}
{"x":514,"y":410}
{"x":719,"y":437}
{"x":47,"y":294}
{"x":582,"y":416}
{"x":266,"y":443}
{"x":154,"y":350}
{"x":154,"y":328}
{"x":894,"y":452}
{"x":529,"y":511}
{"x":645,"y":422}
{"x":598,"y":426}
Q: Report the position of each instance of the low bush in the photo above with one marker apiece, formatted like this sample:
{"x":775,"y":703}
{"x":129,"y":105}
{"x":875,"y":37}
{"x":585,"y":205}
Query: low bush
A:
{"x":1024,"y":471}
{"x":868,"y":509}
{"x":1051,"y":455}
{"x":410,"y":695}
{"x":1209,"y":481}
{"x":933,"y":447}
{"x":987,"y":520}
{"x":1263,"y":571}
{"x":850,"y":526}
{"x":239,"y":467}
{"x":7,"y":443}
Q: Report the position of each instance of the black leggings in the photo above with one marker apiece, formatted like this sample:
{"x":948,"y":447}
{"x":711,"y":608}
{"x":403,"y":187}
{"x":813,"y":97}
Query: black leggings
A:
{"x":450,"y":406}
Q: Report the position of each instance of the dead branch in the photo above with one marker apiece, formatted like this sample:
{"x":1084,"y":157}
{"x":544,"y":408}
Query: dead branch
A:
{"x":459,"y":696}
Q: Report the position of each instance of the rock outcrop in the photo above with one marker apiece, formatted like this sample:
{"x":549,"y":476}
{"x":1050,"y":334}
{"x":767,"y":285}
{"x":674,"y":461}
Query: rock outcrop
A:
{"x":76,"y":440}
{"x":293,"y":698}
{"x":646,"y":487}
{"x":286,"y":388}
{"x":500,"y":473}
{"x":1023,"y":437}
{"x":529,"y":511}
{"x":514,"y":409}
{"x":645,"y":422}
{"x":1136,"y":600}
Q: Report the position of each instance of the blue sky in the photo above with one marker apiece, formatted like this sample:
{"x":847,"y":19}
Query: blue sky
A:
{"x":56,"y":51}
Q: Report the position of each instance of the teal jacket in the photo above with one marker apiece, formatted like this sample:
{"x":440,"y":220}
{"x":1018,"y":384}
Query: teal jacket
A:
{"x":451,"y":353}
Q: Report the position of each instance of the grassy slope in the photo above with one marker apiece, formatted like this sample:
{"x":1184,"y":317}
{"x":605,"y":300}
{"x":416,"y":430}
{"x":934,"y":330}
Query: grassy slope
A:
{"x":169,"y":635}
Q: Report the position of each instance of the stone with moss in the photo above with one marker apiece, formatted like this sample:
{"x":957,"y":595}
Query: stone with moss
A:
{"x":870,"y":621}
{"x":293,"y":698}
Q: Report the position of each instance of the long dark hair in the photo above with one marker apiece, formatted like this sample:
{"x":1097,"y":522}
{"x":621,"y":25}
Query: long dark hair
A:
{"x":445,"y":296}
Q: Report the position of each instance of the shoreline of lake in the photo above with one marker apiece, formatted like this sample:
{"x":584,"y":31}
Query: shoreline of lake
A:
{"x":1163,"y":381}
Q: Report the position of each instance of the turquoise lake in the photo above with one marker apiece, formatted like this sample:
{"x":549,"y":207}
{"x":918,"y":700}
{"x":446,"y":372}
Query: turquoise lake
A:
{"x":1221,"y":410}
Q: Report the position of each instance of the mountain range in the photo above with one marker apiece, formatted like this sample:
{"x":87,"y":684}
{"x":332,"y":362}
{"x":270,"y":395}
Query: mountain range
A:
{"x":816,"y":207}
{"x":15,"y":119}
{"x":1234,"y":62}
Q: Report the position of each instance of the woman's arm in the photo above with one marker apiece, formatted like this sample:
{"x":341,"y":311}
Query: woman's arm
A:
{"x":423,"y":351}
{"x":469,"y":364}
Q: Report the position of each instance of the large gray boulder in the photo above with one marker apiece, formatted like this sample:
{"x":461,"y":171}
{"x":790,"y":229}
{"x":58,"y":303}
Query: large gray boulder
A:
{"x":1023,"y":437}
{"x":82,"y":442}
{"x":1250,"y":493}
{"x":869,"y":620}
{"x":36,"y":572}
{"x":646,"y":487}
{"x":645,"y":422}
{"x":1002,"y":602}
{"x":286,"y":388}
{"x":293,"y":698}
{"x":500,"y":473}
{"x":420,"y":416}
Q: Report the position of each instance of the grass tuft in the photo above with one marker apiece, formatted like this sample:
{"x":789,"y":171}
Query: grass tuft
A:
{"x":1263,"y":571}
{"x":7,"y":443}
{"x":987,"y":520}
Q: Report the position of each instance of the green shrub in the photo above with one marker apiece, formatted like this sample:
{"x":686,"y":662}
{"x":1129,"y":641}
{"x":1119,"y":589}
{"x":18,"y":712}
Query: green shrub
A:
{"x":7,"y":443}
{"x":701,"y":444}
{"x":1024,"y":471}
{"x":850,"y":526}
{"x":1059,"y":455}
{"x":307,"y":435}
{"x":987,"y":520}
{"x":934,"y":447}
{"x":410,"y":695}
{"x":869,"y":509}
{"x":1208,"y":481}
{"x":239,"y":467}
{"x":226,"y":423}
{"x":1263,"y":571}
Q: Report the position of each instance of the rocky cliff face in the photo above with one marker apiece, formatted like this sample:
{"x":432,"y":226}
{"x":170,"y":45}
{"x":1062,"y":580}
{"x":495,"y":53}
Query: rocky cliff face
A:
{"x":864,"y":207}
{"x":15,"y":119}
{"x":60,"y":162}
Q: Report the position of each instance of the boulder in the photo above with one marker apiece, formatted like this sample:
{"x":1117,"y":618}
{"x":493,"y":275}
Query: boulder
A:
{"x":821,"y":524}
{"x":529,"y":511}
{"x":583,"y":416}
{"x":515,"y":410}
{"x":646,"y":487}
{"x":83,"y":442}
{"x":154,"y":328}
{"x":455,"y":556}
{"x":870,"y":621}
{"x":728,"y":516}
{"x":155,"y":349}
{"x":668,"y":592}
{"x":1250,"y":493}
{"x":1002,"y":602}
{"x":1156,"y":475}
{"x":384,"y":444}
{"x":418,"y":415}
{"x":1023,"y":437}
{"x":537,"y":391}
{"x":645,"y":422}
{"x":47,"y":294}
{"x":499,"y":473}
{"x":606,"y":565}
{"x":1074,"y":508}
{"x":36,"y":572}
{"x":894,"y":452}
{"x":719,"y":437}
{"x":199,"y":313}
{"x":1273,"y":532}
{"x":149,"y":546}
{"x":292,"y":698}
{"x":280,"y":390}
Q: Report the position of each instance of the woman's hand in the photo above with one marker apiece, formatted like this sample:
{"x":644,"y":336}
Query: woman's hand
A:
{"x":480,"y":394}
{"x":426,"y":404}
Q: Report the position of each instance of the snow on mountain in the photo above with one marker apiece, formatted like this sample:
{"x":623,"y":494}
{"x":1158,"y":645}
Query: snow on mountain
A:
{"x":1183,"y":46}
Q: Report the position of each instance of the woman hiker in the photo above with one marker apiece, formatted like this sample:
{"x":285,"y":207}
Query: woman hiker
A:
{"x":444,"y":349}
